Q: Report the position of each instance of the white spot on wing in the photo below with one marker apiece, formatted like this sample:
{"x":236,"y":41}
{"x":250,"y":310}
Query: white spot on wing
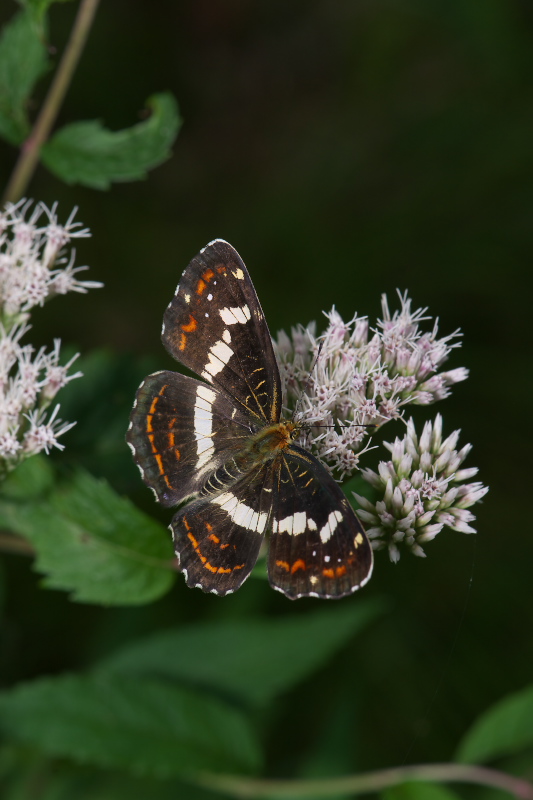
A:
{"x":327,"y":531}
{"x":209,"y":296}
{"x":231,"y":316}
{"x":226,"y":336}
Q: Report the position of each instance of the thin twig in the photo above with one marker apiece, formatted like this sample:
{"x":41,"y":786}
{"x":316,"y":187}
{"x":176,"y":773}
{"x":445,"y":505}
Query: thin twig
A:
{"x":9,"y":543}
{"x":243,"y":787}
{"x":30,"y":151}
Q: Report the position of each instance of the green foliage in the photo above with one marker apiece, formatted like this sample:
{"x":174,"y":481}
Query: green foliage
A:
{"x":23,"y":60}
{"x":419,"y":790}
{"x":252,"y":660}
{"x":146,"y":727}
{"x":89,"y":154}
{"x":88,"y":540}
{"x":505,"y":729}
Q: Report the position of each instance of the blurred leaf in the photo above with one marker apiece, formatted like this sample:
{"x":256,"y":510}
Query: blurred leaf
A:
{"x":87,"y":153}
{"x":418,"y":790}
{"x":39,"y":7}
{"x":23,"y":60}
{"x":33,"y":478}
{"x":94,"y":543}
{"x":252,"y":660}
{"x":101,"y":402}
{"x":143,"y":726}
{"x":504,"y":729}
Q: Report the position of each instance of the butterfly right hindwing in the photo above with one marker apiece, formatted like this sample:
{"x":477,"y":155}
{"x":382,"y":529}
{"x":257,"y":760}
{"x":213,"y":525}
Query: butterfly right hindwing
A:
{"x":318,"y":547}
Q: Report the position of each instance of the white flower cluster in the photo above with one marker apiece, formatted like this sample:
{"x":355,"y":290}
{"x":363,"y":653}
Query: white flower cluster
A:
{"x":35,"y":265}
{"x":351,"y":380}
{"x":422,"y":491}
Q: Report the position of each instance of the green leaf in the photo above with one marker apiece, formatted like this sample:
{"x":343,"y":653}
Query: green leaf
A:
{"x":504,"y":729}
{"x":419,"y":790}
{"x":33,"y":478}
{"x":23,"y":60}
{"x":144,"y":726}
{"x":89,"y":154}
{"x":95,"y":544}
{"x":251,"y":660}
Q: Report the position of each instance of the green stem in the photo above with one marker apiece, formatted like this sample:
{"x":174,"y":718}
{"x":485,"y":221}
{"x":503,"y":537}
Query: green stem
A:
{"x":250,"y":788}
{"x":31,"y":149}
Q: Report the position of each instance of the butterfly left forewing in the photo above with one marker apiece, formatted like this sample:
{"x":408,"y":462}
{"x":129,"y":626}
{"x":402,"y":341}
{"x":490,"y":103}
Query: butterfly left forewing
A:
{"x":318,"y":547}
{"x":214,"y":325}
{"x":181,"y":431}
{"x":217,"y":537}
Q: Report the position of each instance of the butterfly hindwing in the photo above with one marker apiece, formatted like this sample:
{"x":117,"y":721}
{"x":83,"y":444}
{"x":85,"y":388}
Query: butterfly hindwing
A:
{"x":214,"y":325}
{"x":217,"y":538}
{"x":318,"y":547}
{"x":181,"y":431}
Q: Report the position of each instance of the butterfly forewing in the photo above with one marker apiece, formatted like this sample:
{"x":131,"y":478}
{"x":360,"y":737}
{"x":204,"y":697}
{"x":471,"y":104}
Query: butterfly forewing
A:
{"x":215,"y":326}
{"x":181,"y":431}
{"x":218,"y":537}
{"x":318,"y":547}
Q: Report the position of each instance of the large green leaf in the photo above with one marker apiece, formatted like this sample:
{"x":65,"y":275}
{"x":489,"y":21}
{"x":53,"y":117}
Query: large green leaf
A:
{"x":91,"y":542}
{"x":88,"y":153}
{"x":251,"y":660}
{"x":23,"y":60}
{"x":504,"y":729}
{"x":146,"y":727}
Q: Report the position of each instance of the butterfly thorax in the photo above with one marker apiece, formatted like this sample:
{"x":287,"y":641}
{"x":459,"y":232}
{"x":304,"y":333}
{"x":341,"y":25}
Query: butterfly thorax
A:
{"x":262,"y":446}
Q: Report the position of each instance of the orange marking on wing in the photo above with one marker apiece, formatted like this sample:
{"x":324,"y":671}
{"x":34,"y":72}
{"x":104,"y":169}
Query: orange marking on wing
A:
{"x":191,"y":325}
{"x":151,"y":437}
{"x":177,"y":453}
{"x":208,"y":526}
{"x":338,"y":572}
{"x":183,"y":342}
{"x":155,"y":401}
{"x":171,"y":439}
{"x":201,"y":286}
{"x":203,"y":559}
{"x":214,"y":538}
{"x":328,"y":573}
{"x":283,"y":564}
{"x":299,"y":564}
{"x":149,"y":427}
{"x":160,"y":463}
{"x":208,"y":275}
{"x":167,"y":482}
{"x":222,"y":268}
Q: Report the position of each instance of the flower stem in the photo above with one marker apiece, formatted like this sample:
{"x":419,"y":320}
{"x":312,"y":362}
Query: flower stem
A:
{"x":30,"y":151}
{"x":239,"y":786}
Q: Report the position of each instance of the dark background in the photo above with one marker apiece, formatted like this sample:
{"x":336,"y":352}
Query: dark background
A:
{"x":345,"y":148}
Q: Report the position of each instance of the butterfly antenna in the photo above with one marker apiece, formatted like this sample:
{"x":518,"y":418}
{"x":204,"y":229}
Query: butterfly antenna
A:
{"x":309,"y":376}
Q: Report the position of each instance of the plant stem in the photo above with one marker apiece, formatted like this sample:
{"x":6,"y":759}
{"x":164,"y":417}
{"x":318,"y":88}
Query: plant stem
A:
{"x":15,"y":544}
{"x":239,"y":786}
{"x":30,"y":151}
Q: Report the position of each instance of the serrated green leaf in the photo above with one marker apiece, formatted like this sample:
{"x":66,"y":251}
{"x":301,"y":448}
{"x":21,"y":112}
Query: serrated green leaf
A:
{"x":504,"y":729}
{"x":419,"y":790}
{"x":95,"y":544}
{"x":146,"y":727}
{"x":23,"y":60}
{"x":89,"y":154}
{"x":251,"y":660}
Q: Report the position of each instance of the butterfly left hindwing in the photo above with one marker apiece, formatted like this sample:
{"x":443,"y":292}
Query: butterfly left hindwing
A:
{"x":220,"y":443}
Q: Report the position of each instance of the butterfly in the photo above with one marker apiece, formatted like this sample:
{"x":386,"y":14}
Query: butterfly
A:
{"x":220,"y":449}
